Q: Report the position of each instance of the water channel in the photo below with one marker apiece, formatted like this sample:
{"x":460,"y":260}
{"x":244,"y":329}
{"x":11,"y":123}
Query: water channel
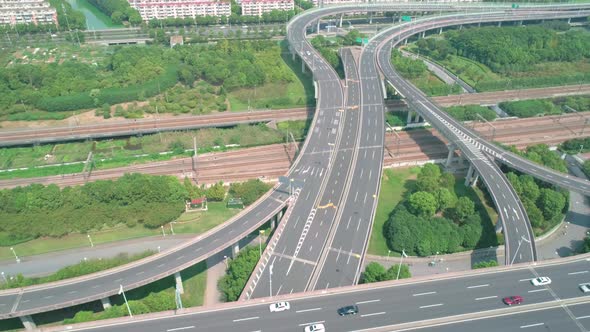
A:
{"x":95,"y":19}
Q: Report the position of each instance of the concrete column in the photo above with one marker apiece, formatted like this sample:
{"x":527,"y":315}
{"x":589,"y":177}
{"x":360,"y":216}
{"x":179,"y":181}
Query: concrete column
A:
{"x":478,"y":24}
{"x":450,"y":155}
{"x":178,"y":279}
{"x":409,"y":120}
{"x":474,"y":179}
{"x":469,"y":175}
{"x":106,"y":302}
{"x":499,"y":227}
{"x":28,"y":323}
{"x":406,"y":41}
{"x":500,"y":24}
{"x":423,"y":34}
{"x":370,"y":18}
{"x":461,"y":27}
{"x":440,"y":31}
{"x":280,"y":215}
{"x":273,"y":223}
{"x":417,"y":118}
{"x":569,"y":20}
{"x":340,"y":25}
{"x":302,"y":66}
{"x":318,"y":27}
{"x":235,"y":250}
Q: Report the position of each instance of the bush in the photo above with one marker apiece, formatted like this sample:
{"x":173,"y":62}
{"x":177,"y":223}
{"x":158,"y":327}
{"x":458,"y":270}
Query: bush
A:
{"x":469,"y":113}
{"x":237,"y":274}
{"x":375,"y":272}
{"x":249,"y":191}
{"x":483,"y":265}
{"x":530,"y":108}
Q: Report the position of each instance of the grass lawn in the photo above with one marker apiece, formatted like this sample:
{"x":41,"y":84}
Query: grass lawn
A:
{"x":269,"y":96}
{"x":468,"y":70}
{"x":394,"y":183}
{"x":188,"y":223}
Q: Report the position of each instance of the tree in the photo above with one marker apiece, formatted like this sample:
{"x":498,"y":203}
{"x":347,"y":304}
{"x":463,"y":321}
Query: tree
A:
{"x":551,"y":203}
{"x":585,"y":248}
{"x":464,"y":208}
{"x":216,"y":192}
{"x":445,"y":199}
{"x":374,"y":272}
{"x":422,"y":204}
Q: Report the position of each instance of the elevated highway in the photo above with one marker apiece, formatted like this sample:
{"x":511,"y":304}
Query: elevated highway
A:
{"x":316,"y":159}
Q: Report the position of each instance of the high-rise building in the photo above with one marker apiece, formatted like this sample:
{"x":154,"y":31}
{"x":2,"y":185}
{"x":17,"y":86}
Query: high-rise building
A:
{"x":26,"y":12}
{"x":160,"y":9}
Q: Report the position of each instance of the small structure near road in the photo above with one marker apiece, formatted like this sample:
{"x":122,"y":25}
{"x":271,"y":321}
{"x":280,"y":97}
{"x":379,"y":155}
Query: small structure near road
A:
{"x":196,"y":204}
{"x":235,"y":203}
{"x":176,"y":40}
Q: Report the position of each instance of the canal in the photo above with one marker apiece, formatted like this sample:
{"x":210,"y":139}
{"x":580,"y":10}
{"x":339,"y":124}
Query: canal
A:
{"x":95,"y":19}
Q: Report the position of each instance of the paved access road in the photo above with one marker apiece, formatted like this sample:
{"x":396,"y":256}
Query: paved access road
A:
{"x":386,"y":303}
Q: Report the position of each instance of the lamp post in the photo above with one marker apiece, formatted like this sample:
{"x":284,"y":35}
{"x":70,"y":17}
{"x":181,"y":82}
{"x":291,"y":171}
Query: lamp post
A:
{"x":163,"y":233}
{"x":90,"y":239}
{"x":225,"y":261}
{"x":159,"y":249}
{"x":15,"y":256}
{"x":4,"y":277}
{"x":171,"y":228}
{"x":399,"y":268}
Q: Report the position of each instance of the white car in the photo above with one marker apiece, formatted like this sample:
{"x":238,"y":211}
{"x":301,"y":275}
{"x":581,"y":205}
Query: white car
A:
{"x":279,"y":306}
{"x":585,"y":287}
{"x":315,"y":328}
{"x":541,"y":281}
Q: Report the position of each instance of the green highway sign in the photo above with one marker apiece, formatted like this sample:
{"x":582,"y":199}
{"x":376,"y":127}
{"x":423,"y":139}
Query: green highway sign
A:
{"x":406,"y":18}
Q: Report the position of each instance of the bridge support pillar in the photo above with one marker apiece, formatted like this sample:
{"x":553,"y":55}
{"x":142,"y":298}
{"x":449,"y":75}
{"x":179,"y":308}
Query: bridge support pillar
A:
{"x":179,"y":285}
{"x":317,"y":30}
{"x":469,"y":175}
{"x":302,"y":66}
{"x":28,"y":323}
{"x":478,"y":24}
{"x":461,"y":27}
{"x":235,"y":249}
{"x":106,"y":302}
{"x":569,"y":20}
{"x":500,"y":24}
{"x":280,"y":215}
{"x":440,"y":30}
{"x":371,"y":18}
{"x":340,"y":23}
{"x":273,"y":223}
{"x":409,"y":120}
{"x":406,"y":41}
{"x":499,"y":227}
{"x":423,"y":34}
{"x":452,"y":149}
{"x":417,"y":118}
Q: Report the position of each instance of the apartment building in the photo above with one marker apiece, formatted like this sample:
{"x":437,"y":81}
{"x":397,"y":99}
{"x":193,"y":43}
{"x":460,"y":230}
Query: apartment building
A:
{"x":26,"y":12}
{"x":160,"y":9}
{"x":344,"y":2}
{"x":259,"y":7}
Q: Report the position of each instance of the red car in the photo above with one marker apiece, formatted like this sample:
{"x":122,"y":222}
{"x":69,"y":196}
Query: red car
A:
{"x":510,"y":300}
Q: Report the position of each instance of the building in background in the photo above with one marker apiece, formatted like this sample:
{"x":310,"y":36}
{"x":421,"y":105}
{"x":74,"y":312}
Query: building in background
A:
{"x":27,"y":12}
{"x":161,"y":9}
{"x":259,"y":7}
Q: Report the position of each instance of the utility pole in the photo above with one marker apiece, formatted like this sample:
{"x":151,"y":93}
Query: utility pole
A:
{"x":399,"y":268}
{"x":121,"y":291}
{"x":90,"y":239}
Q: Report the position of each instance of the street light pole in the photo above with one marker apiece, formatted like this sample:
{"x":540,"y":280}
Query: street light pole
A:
{"x":399,"y":268}
{"x":163,"y":233}
{"x":90,"y":239}
{"x":171,"y":228}
{"x":260,"y":233}
{"x":15,"y":256}
{"x":4,"y":277}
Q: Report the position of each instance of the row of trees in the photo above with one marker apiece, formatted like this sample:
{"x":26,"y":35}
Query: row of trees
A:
{"x":530,"y":108}
{"x":36,"y":211}
{"x":470,"y":113}
{"x":522,"y":46}
{"x":118,"y":10}
{"x":237,"y":274}
{"x":329,"y":48}
{"x":576,"y":145}
{"x":544,"y":203}
{"x":432,"y":218}
{"x":375,"y":272}
{"x":274,"y":16}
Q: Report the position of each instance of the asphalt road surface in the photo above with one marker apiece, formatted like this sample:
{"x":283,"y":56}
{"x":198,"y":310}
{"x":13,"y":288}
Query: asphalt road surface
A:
{"x":390,"y":303}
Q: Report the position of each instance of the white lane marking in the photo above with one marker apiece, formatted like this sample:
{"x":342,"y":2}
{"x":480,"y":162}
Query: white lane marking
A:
{"x":579,"y":272}
{"x":311,"y":323}
{"x":181,"y":328}
{"x":478,"y":286}
{"x":243,"y":319}
{"x":538,"y":290}
{"x":583,"y":317}
{"x":306,"y":310}
{"x":427,"y":293}
{"x":486,"y":298}
{"x":369,"y":301}
{"x":48,"y":296}
{"x":431,"y":305}
{"x":531,"y":325}
{"x":529,"y":279}
{"x":160,"y":265}
{"x":374,"y":314}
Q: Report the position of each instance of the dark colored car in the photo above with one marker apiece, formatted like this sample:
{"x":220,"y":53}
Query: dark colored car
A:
{"x":510,"y":300}
{"x":348,"y":310}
